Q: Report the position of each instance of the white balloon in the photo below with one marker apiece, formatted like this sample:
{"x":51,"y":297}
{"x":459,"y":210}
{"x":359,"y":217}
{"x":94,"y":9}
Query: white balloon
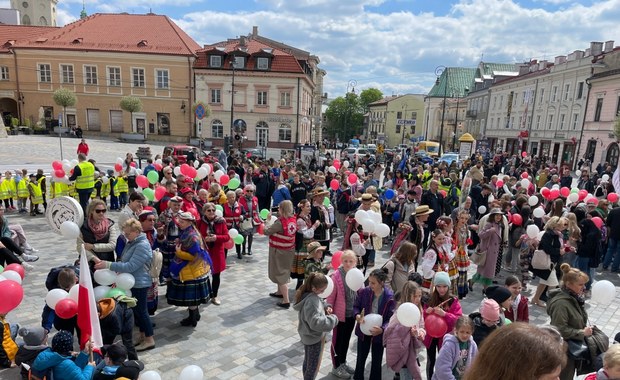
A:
{"x":119,"y":160}
{"x":360,"y":216}
{"x":105,"y":277}
{"x":233,"y":233}
{"x":2,"y":278}
{"x":556,"y":186}
{"x":408,"y":314}
{"x":202,"y":172}
{"x":219,"y":213}
{"x":368,"y":225}
{"x":578,"y":173}
{"x":482,"y":209}
{"x":332,"y":170}
{"x":532,"y":231}
{"x":382,"y":230}
{"x":360,"y":171}
{"x":101,"y":291}
{"x":375,"y":216}
{"x":74,"y":292}
{"x":158,"y":161}
{"x":370,"y":321}
{"x":138,"y":171}
{"x":53,"y":296}
{"x":491,"y":198}
{"x":191,"y":372}
{"x":105,"y":180}
{"x":206,"y":166}
{"x":177,"y":170}
{"x":329,"y":289}
{"x":196,"y":164}
{"x":540,"y":235}
{"x":74,"y":163}
{"x":125,"y":281}
{"x":346,"y":164}
{"x":525,"y":183}
{"x":218,"y":174}
{"x":354,"y":279}
{"x":539,"y":212}
{"x":69,"y":229}
{"x":605,"y":177}
{"x":603,"y":292}
{"x":533,"y":200}
{"x":66,"y":167}
{"x":12,"y":275}
{"x":573,"y":197}
{"x":149,"y":375}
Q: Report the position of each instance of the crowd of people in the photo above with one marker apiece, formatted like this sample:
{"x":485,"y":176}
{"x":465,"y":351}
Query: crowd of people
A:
{"x":504,"y":215}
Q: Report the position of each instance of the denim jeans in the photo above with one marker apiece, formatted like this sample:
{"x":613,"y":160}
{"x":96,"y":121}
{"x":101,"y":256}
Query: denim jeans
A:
{"x":613,"y":253}
{"x":141,"y":313}
{"x":583,"y":264}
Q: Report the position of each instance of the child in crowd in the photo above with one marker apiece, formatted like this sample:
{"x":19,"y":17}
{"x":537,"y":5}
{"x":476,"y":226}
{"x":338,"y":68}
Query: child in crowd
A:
{"x":376,"y":298}
{"x":113,"y":191}
{"x":314,"y":263}
{"x":486,"y":320}
{"x":35,"y":341}
{"x":519,"y":309}
{"x":502,"y":296}
{"x":435,"y":259}
{"x":59,"y":278}
{"x":611,"y":365}
{"x":342,"y":300}
{"x":403,"y":344}
{"x":315,"y":319}
{"x":443,"y":304}
{"x":444,"y":223}
{"x":457,"y":352}
{"x":116,"y":318}
{"x":8,"y":347}
{"x":61,"y":363}
{"x":115,"y":364}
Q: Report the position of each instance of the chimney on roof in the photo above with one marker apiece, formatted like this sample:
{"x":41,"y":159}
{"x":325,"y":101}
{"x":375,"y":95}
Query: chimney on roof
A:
{"x":254,"y":31}
{"x":542,"y":65}
{"x":524,"y":68}
{"x":242,"y":41}
{"x":609,"y":46}
{"x":560,"y":59}
{"x":596,"y":48}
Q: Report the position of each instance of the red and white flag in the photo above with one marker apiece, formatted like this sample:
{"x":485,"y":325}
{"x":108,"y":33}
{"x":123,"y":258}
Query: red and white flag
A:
{"x":87,"y":318}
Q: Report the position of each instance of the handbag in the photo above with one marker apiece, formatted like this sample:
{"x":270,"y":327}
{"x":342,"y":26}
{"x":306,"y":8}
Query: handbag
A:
{"x":540,"y":260}
{"x":479,"y":257}
{"x":246,"y":225}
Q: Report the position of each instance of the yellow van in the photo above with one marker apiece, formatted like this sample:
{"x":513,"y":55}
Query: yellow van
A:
{"x":431,"y":147}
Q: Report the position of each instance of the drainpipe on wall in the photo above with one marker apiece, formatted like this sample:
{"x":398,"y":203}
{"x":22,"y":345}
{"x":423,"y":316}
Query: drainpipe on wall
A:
{"x":19,"y":104}
{"x":191,"y":80}
{"x":583,"y":124}
{"x":298,"y":109}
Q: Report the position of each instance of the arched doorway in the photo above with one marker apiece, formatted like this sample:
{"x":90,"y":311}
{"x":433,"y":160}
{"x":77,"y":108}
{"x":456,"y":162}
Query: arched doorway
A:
{"x":8,"y":110}
{"x":613,"y":151}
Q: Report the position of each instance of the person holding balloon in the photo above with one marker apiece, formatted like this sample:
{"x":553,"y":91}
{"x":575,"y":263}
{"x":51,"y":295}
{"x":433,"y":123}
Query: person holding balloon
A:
{"x":376,"y":298}
{"x":440,"y":315}
{"x":303,"y":237}
{"x":136,"y":258}
{"x":588,"y":249}
{"x":215,"y":234}
{"x":249,"y":204}
{"x":458,"y":352}
{"x":98,"y":234}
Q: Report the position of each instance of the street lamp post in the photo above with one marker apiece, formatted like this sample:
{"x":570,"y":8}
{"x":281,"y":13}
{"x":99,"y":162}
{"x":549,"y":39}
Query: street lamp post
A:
{"x":439,"y":70}
{"x":351,"y":84}
{"x":233,"y":60}
{"x":456,"y":122}
{"x":404,"y":126}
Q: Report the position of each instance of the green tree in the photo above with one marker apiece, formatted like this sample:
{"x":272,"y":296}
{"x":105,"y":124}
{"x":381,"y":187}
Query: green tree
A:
{"x":132,"y":104}
{"x":617,"y":127}
{"x":65,"y":98}
{"x":368,"y":96}
{"x":345,"y":116}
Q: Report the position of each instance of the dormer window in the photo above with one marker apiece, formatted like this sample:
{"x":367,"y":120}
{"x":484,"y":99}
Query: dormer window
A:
{"x":262,"y":63}
{"x":215,"y":61}
{"x":238,"y":62}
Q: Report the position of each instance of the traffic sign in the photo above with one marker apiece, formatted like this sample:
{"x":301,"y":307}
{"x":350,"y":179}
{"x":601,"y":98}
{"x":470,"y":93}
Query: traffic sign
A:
{"x":60,"y":119}
{"x":200,"y":111}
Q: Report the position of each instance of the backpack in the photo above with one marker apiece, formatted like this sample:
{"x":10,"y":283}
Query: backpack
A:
{"x":343,"y":202}
{"x":156,"y":264}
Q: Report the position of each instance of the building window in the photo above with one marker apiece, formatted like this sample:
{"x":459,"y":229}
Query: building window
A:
{"x":261,"y":98}
{"x":562,"y":117}
{"x":217,"y":129}
{"x":579,"y":90}
{"x":566,"y":91}
{"x":599,"y":108}
{"x":116,"y":121}
{"x":163,"y":79}
{"x":114,"y":76}
{"x":163,"y":124}
{"x":538,"y":122}
{"x":215,"y":61}
{"x":549,"y":121}
{"x":285,"y":99}
{"x":138,"y":77}
{"x":262,"y":63}
{"x":239,"y":62}
{"x":542,"y":95}
{"x":554,"y":93}
{"x":216,"y":95}
{"x":66,"y":72}
{"x":90,"y":75}
{"x":4,"y":73}
{"x":285,"y":133}
{"x":575,"y":120}
{"x":45,"y":73}
{"x":397,"y":128}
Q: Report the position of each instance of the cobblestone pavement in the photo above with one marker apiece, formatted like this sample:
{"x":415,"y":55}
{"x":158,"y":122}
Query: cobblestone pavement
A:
{"x":247,"y":337}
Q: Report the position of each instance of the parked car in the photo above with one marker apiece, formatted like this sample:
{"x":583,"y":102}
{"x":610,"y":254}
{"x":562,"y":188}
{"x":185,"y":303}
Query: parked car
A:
{"x":351,"y":153}
{"x":253,"y":153}
{"x":424,"y":158}
{"x":450,"y":157}
{"x":182,"y":152}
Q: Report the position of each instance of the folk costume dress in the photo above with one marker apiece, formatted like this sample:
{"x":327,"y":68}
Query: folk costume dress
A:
{"x":189,"y":270}
{"x":434,"y":260}
{"x":453,"y":271}
{"x":459,"y":244}
{"x":303,"y":237}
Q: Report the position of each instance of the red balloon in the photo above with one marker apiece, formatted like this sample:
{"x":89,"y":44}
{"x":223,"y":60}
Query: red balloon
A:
{"x":352,"y":179}
{"x":545,"y":192}
{"x":16,"y":268}
{"x":612,"y":197}
{"x":336,"y":259}
{"x":132,"y":164}
{"x":499,"y":183}
{"x":524,"y":175}
{"x":565,"y":192}
{"x":260,"y":229}
{"x":142,"y":181}
{"x":160,"y":191}
{"x":334,"y":185}
{"x":157,"y":166}
{"x":184,"y":169}
{"x":553,"y":194}
{"x":337,"y":164}
{"x":435,"y":326}
{"x":523,"y":154}
{"x":66,"y":308}
{"x":59,"y":173}
{"x":582,"y":194}
{"x":224,"y":179}
{"x":229,"y":244}
{"x":12,"y":295}
{"x":443,"y":193}
{"x":118,"y":167}
{"x":517,"y":220}
{"x":593,"y":200}
{"x":192,"y":172}
{"x":57,"y":165}
{"x":598,"y":222}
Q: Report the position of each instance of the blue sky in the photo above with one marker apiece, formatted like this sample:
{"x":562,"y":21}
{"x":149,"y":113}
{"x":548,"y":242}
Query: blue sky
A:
{"x":393,"y":45}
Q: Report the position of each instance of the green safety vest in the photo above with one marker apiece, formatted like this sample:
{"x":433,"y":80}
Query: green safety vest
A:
{"x":87,"y":179}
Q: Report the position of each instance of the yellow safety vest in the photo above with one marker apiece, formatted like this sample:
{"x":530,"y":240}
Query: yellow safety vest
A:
{"x":22,"y":188}
{"x":72,"y":192}
{"x":10,"y":184}
{"x":87,"y":179}
{"x":121,"y":186}
{"x":60,"y":189}
{"x":94,"y":193}
{"x":4,"y":190}
{"x":36,"y":196}
{"x":105,"y":189}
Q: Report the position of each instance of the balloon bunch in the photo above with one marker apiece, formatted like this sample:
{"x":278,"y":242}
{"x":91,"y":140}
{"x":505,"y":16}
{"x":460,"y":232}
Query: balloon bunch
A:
{"x":371,"y":222}
{"x":112,"y":285}
{"x":61,"y":170}
{"x":191,"y":372}
{"x":235,"y":238}
{"x":64,"y":304}
{"x":11,"y":287}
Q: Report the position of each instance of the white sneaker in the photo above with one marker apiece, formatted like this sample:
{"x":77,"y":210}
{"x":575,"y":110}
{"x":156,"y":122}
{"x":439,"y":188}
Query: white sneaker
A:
{"x":32,"y":250}
{"x":27,"y":266}
{"x":349,"y":369}
{"x":29,"y":258}
{"x":341,"y":372}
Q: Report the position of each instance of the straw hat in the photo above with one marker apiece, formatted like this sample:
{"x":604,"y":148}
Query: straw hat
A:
{"x":423,"y":210}
{"x":317,"y":191}
{"x":315,"y":246}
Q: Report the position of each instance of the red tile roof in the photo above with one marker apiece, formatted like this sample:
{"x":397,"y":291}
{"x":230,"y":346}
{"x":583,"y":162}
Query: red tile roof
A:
{"x":123,"y":33}
{"x":281,"y":62}
{"x":11,"y":34}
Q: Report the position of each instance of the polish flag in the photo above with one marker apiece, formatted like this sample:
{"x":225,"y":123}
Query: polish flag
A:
{"x":87,"y":318}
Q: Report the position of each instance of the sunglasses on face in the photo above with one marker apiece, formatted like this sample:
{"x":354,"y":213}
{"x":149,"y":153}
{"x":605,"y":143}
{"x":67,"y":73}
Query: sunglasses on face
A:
{"x":210,"y":210}
{"x":100,"y":211}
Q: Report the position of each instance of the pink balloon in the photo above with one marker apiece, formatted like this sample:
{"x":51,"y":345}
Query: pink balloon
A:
{"x":59,"y":173}
{"x":337,"y":164}
{"x":12,"y":295}
{"x":612,"y":197}
{"x":598,"y":222}
{"x":435,"y":326}
{"x":118,"y":167}
{"x":160,"y":191}
{"x":352,"y":179}
{"x":57,"y":165}
{"x":334,"y":185}
{"x":499,"y":183}
{"x":191,"y":172}
{"x":553,"y":194}
{"x":523,"y":154}
{"x":224,"y":179}
{"x":157,"y":166}
{"x":517,"y":220}
{"x":336,"y":259}
{"x":229,"y":244}
{"x":582,"y":194}
{"x":184,"y":168}
{"x":133,"y":164}
{"x":565,"y":192}
{"x":142,"y":181}
{"x":524,"y":175}
{"x":16,"y":268}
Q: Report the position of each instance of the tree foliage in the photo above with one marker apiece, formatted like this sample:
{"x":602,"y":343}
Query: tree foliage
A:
{"x":345,"y":114}
{"x":131,"y":104}
{"x":617,"y":127}
{"x":368,"y":96}
{"x":65,"y":97}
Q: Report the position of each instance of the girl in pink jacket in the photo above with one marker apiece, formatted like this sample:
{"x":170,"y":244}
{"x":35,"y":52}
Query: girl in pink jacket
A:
{"x":341,"y":300}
